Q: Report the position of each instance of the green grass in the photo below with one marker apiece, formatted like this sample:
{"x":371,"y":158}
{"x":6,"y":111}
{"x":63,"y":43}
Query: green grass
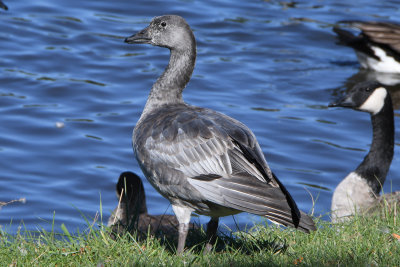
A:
{"x":363,"y":241}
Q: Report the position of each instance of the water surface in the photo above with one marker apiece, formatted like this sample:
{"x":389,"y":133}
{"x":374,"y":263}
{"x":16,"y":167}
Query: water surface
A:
{"x":273,"y":65}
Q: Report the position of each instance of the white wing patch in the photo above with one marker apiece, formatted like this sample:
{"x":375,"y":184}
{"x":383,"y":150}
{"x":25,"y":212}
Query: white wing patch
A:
{"x":386,"y":63}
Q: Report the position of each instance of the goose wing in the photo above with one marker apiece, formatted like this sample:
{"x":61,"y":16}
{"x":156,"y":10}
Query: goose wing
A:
{"x":380,"y":33}
{"x":219,"y":157}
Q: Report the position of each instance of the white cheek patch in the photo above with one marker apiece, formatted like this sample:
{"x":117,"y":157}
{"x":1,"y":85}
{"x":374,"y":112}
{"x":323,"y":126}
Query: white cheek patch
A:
{"x":385,"y":63}
{"x":375,"y":101}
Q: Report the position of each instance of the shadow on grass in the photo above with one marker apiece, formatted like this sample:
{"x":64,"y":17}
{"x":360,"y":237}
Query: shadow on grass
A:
{"x":242,"y":242}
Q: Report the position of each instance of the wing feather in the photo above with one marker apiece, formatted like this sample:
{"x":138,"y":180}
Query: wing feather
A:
{"x":218,"y":156}
{"x":381,"y":33}
{"x":237,"y":193}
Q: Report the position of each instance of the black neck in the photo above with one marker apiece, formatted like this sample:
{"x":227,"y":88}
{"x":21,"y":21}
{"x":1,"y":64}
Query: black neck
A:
{"x":377,"y":162}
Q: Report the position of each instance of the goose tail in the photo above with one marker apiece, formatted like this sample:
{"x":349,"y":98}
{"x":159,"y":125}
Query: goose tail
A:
{"x":306,"y":223}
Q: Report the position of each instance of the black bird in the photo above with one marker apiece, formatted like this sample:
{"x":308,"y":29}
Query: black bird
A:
{"x":359,"y":191}
{"x":200,"y":160}
{"x":131,"y":213}
{"x":377,"y":46}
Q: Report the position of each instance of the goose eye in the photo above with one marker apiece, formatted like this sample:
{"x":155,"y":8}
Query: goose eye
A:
{"x":163,"y":24}
{"x":367,"y":89}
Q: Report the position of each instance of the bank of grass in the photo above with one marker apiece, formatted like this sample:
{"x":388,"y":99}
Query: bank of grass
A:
{"x":363,"y":241}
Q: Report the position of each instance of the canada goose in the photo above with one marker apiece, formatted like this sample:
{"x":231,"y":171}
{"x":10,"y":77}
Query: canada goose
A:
{"x":359,"y":191}
{"x":377,"y":46}
{"x":131,"y":213}
{"x":3,"y":6}
{"x":200,"y":160}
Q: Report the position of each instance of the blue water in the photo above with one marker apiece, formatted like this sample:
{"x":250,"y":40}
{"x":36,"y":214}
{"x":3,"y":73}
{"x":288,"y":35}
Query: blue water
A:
{"x":273,"y":65}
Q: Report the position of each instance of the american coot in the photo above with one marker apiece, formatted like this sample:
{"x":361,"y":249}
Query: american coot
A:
{"x":3,"y":6}
{"x":377,"y":46}
{"x":202,"y":161}
{"x":359,"y":191}
{"x":131,"y":213}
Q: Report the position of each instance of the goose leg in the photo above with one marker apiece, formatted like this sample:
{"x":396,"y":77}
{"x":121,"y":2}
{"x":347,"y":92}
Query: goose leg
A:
{"x":183,"y":216}
{"x":212,"y":227}
{"x":183,"y":231}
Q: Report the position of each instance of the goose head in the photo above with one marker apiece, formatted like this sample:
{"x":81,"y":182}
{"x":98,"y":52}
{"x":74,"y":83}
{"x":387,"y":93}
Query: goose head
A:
{"x":367,"y":96}
{"x":169,"y":31}
{"x":131,"y":188}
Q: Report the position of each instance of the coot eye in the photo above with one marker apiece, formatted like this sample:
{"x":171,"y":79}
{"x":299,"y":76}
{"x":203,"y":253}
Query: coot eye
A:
{"x":163,"y":24}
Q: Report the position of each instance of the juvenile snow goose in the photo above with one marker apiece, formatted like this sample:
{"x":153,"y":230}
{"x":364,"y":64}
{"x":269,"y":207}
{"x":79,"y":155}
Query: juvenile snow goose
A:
{"x":131,"y":213}
{"x":359,"y":191}
{"x":377,"y":46}
{"x":200,"y":160}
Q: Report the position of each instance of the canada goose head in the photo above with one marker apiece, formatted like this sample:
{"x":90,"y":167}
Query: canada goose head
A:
{"x":131,"y":188}
{"x":367,"y":96}
{"x":169,"y":31}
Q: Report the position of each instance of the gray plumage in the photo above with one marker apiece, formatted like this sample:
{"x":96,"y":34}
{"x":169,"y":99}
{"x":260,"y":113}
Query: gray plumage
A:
{"x":199,"y":159}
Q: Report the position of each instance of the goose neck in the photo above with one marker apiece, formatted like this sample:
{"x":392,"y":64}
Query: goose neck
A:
{"x":377,"y":162}
{"x":169,"y":86}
